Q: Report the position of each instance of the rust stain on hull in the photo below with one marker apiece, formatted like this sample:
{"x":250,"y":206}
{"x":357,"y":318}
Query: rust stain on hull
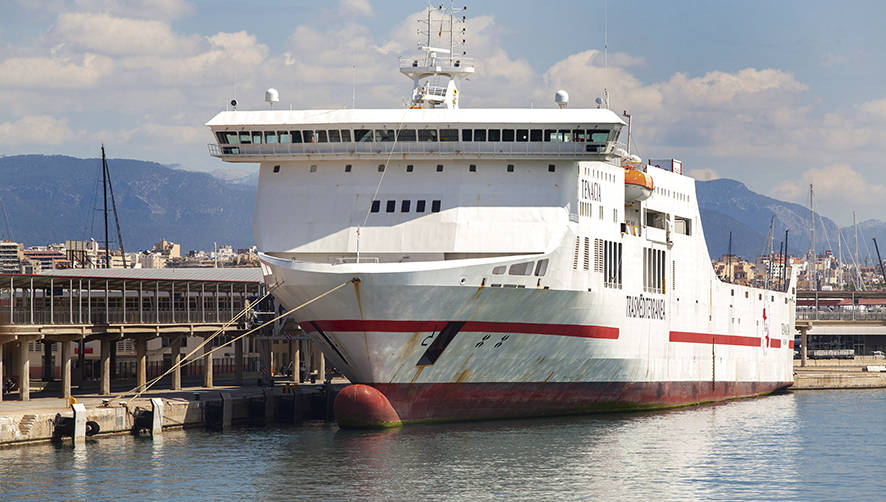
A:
{"x":463,"y":376}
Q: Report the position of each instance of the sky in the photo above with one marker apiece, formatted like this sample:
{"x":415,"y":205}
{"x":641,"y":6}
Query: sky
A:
{"x":777,"y":95}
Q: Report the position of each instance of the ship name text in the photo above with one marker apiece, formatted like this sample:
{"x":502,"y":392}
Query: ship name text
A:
{"x":645,"y":308}
{"x":591,"y":191}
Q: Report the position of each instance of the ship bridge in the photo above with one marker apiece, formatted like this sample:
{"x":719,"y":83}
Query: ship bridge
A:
{"x":255,"y":136}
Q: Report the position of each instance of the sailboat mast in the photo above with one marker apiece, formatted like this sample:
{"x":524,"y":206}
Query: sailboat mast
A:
{"x":812,"y":213}
{"x":105,"y":190}
{"x":855,"y":229}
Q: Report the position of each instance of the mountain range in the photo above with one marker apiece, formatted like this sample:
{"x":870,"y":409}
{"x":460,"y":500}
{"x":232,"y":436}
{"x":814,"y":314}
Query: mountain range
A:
{"x":53,"y":198}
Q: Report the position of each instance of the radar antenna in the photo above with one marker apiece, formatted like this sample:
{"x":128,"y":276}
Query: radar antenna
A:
{"x":436,"y":72}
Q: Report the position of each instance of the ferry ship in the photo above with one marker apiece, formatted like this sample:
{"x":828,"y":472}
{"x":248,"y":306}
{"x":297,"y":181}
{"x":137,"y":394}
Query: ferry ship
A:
{"x":497,"y":262}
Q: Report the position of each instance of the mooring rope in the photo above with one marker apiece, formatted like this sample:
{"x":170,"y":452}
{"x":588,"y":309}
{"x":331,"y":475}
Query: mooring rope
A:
{"x":185,"y":361}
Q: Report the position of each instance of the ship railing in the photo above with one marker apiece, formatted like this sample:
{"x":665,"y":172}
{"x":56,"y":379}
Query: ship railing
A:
{"x":840,"y":315}
{"x":429,"y":148}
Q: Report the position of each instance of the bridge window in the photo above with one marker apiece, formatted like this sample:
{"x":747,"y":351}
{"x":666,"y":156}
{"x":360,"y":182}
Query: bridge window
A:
{"x":384,"y":135}
{"x":376,"y":205}
{"x":334,"y":136}
{"x":535,"y":135}
{"x":346,"y":135}
{"x":256,"y":137}
{"x":499,"y":270}
{"x":467,"y":135}
{"x":308,"y":136}
{"x":419,"y":206}
{"x":406,"y":135}
{"x":271,"y":137}
{"x":578,"y":135}
{"x":435,"y":206}
{"x":524,"y":268}
{"x":541,"y":268}
{"x":549,"y":135}
{"x":245,"y":138}
{"x":391,"y":205}
{"x":448,"y":134}
{"x":598,"y":136}
{"x":507,"y":135}
{"x":362,"y":136}
{"x":404,"y":206}
{"x":479,"y":134}
{"x":522,"y":135}
{"x":285,"y":137}
{"x":222,"y":137}
{"x":296,"y":136}
{"x":494,"y":135}
{"x":427,"y":135}
{"x":320,"y":136}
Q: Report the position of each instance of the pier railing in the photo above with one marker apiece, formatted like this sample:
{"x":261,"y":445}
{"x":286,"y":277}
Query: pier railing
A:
{"x":840,"y":315}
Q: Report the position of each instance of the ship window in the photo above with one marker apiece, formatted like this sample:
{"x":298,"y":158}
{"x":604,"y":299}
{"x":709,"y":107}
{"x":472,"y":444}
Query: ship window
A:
{"x":313,"y":168}
{"x":578,"y":135}
{"x":435,"y":206}
{"x":507,"y":135}
{"x":276,"y":169}
{"x":245,"y":138}
{"x":656,"y":219}
{"x":334,"y":136}
{"x":524,"y":268}
{"x":612,"y":266}
{"x":472,"y":168}
{"x":296,"y":136}
{"x":271,"y":137}
{"x":550,"y":135}
{"x":599,"y":136}
{"x":522,"y":135}
{"x":499,"y":270}
{"x":427,"y":135}
{"x":385,"y":135}
{"x":467,"y":135}
{"x":479,"y":134}
{"x":346,"y":135}
{"x":362,"y":136}
{"x":404,"y":206}
{"x":381,"y":168}
{"x":448,"y":134}
{"x":551,"y":168}
{"x":439,"y":168}
{"x":308,"y":136}
{"x":256,"y":137}
{"x":410,"y":168}
{"x":222,"y":137}
{"x":390,"y":206}
{"x":564,"y":135}
{"x":285,"y":137}
{"x":587,"y":255}
{"x":541,"y":268}
{"x":653,"y":270}
{"x":376,"y":205}
{"x":419,"y":206}
{"x":535,"y":135}
{"x":232,"y":138}
{"x":347,"y":168}
{"x":682,"y":225}
{"x":510,"y":168}
{"x":494,"y":135}
{"x":406,"y":135}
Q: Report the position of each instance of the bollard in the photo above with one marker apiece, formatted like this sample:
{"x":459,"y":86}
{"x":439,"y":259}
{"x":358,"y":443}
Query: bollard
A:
{"x":270,"y":405}
{"x":79,"y":423}
{"x":157,"y":419}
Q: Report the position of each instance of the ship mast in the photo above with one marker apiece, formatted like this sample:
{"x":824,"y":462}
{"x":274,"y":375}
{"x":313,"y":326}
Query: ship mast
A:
{"x":437,"y":72}
{"x":812,"y":251}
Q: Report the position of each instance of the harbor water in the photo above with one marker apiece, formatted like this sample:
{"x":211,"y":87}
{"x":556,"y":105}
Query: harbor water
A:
{"x":824,"y":445}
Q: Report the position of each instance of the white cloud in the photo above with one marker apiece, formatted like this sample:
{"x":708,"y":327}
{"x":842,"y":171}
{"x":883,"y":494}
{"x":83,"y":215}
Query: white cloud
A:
{"x":35,"y":130}
{"x":120,"y":36}
{"x":704,"y":174}
{"x":836,"y":184}
{"x":54,"y":72}
{"x":355,"y":7}
{"x":875,"y":108}
{"x":148,"y":9}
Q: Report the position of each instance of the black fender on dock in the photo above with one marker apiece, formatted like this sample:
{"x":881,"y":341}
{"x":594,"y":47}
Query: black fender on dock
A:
{"x":64,"y":427}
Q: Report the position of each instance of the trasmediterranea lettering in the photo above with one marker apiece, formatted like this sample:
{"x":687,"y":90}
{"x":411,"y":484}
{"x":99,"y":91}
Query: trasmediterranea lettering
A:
{"x":645,"y":308}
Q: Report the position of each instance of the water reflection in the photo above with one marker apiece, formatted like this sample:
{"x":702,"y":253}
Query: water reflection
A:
{"x":804,"y":446}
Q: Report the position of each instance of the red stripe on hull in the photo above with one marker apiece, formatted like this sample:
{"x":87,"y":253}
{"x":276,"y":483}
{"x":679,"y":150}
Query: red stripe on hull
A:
{"x":578,"y":330}
{"x":790,"y":344}
{"x":478,"y":401}
{"x":775,"y":343}
{"x":710,"y":338}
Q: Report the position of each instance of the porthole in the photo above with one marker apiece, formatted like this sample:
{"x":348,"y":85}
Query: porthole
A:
{"x":381,"y":168}
{"x":376,"y":205}
{"x":419,"y":206}
{"x":276,"y":169}
{"x":551,"y":168}
{"x":391,"y":205}
{"x":510,"y":168}
{"x":410,"y":168}
{"x":348,"y":168}
{"x":404,"y":206}
{"x":439,"y":168}
{"x":435,"y":206}
{"x":313,"y":168}
{"x":472,"y":168}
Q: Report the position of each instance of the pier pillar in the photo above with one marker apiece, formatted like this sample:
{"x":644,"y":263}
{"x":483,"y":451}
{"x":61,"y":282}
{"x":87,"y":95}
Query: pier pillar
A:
{"x":141,"y":362}
{"x":176,"y":357}
{"x":48,"y":367}
{"x":295,"y":358}
{"x":266,"y":360}
{"x":24,"y":362}
{"x":104,"y":387}
{"x":2,"y":374}
{"x":803,"y":344}
{"x":207,"y":365}
{"x":67,"y":349}
{"x":238,"y":361}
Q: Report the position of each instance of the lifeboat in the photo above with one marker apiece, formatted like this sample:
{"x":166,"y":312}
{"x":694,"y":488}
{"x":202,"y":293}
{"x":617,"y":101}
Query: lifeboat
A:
{"x":638,"y":185}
